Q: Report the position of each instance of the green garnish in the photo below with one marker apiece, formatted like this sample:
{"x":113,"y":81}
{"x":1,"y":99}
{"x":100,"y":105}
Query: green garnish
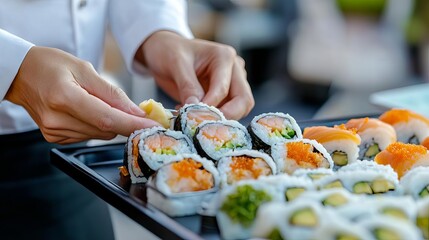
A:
{"x":229,"y":145}
{"x":165,"y":151}
{"x":242,"y":205}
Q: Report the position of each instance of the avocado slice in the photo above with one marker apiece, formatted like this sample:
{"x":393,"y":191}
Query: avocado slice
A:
{"x":424,"y":192}
{"x":334,"y":200}
{"x":334,"y":184}
{"x":275,"y":234}
{"x":292,"y":193}
{"x":316,"y":176}
{"x":346,"y":236}
{"x":394,"y":212}
{"x":362,"y":187}
{"x":305,"y":217}
{"x":340,"y":158}
{"x":423,"y":223}
{"x":385,"y":234}
{"x":372,"y":151}
{"x":382,"y":186}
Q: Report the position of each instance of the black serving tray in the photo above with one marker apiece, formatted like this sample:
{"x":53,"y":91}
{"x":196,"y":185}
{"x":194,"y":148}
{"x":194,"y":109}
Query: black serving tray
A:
{"x":96,"y":168}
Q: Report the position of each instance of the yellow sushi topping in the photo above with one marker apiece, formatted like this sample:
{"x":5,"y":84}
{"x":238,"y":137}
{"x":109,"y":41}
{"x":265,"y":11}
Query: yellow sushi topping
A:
{"x":155,"y":111}
{"x":401,"y":156}
{"x":303,"y":154}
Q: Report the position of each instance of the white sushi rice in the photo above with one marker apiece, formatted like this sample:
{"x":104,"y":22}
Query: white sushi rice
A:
{"x":136,"y":174}
{"x":346,"y":146}
{"x":414,"y":181}
{"x":369,"y":166}
{"x":263,"y":133}
{"x":230,"y":229}
{"x":279,"y":152}
{"x":414,"y":127}
{"x":188,"y":125}
{"x":403,"y":229}
{"x":307,"y":173}
{"x":179,"y":204}
{"x":224,"y":164}
{"x":237,"y":132}
{"x":321,"y":195}
{"x":283,"y":182}
{"x":381,"y":136}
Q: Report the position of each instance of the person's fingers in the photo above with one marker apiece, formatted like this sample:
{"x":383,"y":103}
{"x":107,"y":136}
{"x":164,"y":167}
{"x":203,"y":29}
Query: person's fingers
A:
{"x":99,"y":114}
{"x":241,"y":99}
{"x":187,"y":83}
{"x":220,"y":75}
{"x":109,"y":93}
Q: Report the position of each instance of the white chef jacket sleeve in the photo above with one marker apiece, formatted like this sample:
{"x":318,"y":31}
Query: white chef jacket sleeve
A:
{"x":132,"y":21}
{"x":12,"y":52}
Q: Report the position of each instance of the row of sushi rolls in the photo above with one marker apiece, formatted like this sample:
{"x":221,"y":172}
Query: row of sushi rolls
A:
{"x":365,"y":179}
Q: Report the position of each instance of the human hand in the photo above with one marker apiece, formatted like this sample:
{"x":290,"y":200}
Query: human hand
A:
{"x":196,"y":70}
{"x":69,"y":101}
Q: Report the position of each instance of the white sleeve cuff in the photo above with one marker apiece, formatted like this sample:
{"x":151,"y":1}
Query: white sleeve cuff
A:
{"x":135,"y":21}
{"x":12,"y":52}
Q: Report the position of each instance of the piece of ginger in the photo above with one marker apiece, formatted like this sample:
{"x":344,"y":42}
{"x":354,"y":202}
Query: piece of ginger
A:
{"x":155,"y":111}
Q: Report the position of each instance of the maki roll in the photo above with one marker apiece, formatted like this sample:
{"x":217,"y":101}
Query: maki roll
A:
{"x":370,"y":166}
{"x":269,"y":128}
{"x":238,"y":205}
{"x":375,"y":135}
{"x":402,"y":157}
{"x":191,"y":115}
{"x":341,"y":144}
{"x":300,"y":153}
{"x":245,"y":164}
{"x":388,"y":228}
{"x":215,"y":139}
{"x":147,"y":150}
{"x":289,"y":186}
{"x":179,"y":187}
{"x":330,"y":197}
{"x":416,"y":182}
{"x":410,"y":127}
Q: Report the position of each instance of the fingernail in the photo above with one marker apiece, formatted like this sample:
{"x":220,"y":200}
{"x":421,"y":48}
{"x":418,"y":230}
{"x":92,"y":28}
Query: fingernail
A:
{"x":138,"y":111}
{"x":192,"y":99}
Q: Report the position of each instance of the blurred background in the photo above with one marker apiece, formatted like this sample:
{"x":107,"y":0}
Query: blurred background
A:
{"x":309,"y":58}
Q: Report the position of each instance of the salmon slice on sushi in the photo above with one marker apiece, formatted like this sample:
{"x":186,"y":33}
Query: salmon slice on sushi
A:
{"x":341,"y":144}
{"x":410,"y":127}
{"x":402,"y":157}
{"x":375,"y":135}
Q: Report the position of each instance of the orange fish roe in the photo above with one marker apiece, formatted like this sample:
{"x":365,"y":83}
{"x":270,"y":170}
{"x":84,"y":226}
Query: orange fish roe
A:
{"x":323,"y":134}
{"x":242,"y":164}
{"x":303,"y":154}
{"x":190,"y":169}
{"x":401,"y":156}
{"x":395,"y":116}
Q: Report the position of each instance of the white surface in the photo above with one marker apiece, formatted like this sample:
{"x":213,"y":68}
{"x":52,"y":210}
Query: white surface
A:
{"x":414,"y":97}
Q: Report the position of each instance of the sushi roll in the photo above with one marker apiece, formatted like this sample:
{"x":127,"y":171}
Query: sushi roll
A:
{"x":330,"y":197}
{"x":291,"y":187}
{"x":422,"y":219}
{"x":296,"y":220}
{"x":360,"y":182}
{"x":269,"y":128}
{"x":340,"y":228}
{"x":238,"y":205}
{"x":410,"y":127}
{"x":388,"y":228}
{"x":375,"y":135}
{"x":147,"y":150}
{"x":416,"y":182}
{"x":191,"y":115}
{"x":214,"y":139}
{"x":180,"y":186}
{"x":366,"y":165}
{"x":300,"y":153}
{"x":400,"y":207}
{"x":313,"y":174}
{"x":245,"y":164}
{"x":402,"y":157}
{"x":341,"y":144}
